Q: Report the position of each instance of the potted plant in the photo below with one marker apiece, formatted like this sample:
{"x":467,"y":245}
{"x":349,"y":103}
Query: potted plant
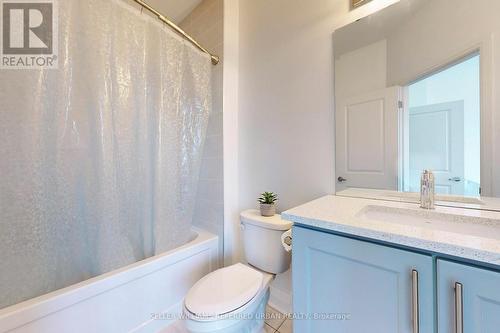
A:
{"x":267,"y":202}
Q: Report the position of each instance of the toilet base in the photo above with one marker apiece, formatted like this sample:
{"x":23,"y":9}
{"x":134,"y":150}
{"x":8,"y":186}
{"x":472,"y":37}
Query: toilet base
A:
{"x":249,"y":320}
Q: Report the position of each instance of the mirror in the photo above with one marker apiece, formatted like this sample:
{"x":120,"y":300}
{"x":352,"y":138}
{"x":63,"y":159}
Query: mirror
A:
{"x":413,"y":91}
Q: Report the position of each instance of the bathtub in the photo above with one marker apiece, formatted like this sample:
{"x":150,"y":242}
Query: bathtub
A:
{"x":143,"y":297}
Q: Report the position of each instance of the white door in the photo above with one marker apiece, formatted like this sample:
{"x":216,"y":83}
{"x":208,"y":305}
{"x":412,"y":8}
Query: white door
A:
{"x":367,"y":140}
{"x":436,"y":142}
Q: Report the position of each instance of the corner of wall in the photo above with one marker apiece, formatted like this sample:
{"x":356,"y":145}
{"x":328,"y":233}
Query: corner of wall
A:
{"x":230,"y":130}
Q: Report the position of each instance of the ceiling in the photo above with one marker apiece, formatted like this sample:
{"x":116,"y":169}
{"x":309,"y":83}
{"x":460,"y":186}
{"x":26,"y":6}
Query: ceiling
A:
{"x":175,"y":10}
{"x":375,"y":27}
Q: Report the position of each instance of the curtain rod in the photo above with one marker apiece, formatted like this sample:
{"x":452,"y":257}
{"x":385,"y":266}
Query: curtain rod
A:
{"x":215,"y":58}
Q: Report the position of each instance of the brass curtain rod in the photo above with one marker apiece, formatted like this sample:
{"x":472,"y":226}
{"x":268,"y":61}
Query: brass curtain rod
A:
{"x":215,"y":58}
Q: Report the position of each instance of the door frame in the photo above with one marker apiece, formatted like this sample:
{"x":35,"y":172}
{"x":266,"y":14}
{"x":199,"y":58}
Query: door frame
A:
{"x":484,"y":48}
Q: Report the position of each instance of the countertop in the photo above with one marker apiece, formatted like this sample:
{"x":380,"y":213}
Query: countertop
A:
{"x":343,"y":215}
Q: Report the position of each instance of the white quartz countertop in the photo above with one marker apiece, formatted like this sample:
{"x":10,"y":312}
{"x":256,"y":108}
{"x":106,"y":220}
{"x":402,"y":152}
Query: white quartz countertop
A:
{"x":344,"y":215}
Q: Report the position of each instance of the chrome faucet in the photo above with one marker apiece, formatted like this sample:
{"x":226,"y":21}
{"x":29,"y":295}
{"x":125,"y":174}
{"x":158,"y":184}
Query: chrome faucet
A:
{"x":427,"y":190}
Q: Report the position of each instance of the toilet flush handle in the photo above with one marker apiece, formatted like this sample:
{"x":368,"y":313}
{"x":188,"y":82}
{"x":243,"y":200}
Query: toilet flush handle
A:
{"x":286,"y":240}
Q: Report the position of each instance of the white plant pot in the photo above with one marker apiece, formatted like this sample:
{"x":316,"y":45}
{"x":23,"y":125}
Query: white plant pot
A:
{"x":267,"y":209}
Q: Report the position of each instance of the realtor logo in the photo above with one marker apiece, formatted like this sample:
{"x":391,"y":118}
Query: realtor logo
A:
{"x":29,"y":34}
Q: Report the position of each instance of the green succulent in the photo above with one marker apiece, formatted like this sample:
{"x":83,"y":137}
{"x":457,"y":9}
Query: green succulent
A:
{"x":268,"y":198}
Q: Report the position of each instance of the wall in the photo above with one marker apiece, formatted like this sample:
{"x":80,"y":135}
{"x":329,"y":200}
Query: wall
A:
{"x":427,"y":41}
{"x":278,"y":103}
{"x":286,"y":97}
{"x":176,"y":10}
{"x":205,"y":24}
{"x":369,"y":63}
{"x":231,"y":130}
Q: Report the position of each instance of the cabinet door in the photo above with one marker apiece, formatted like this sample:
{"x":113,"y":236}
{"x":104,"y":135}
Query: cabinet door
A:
{"x":479,"y":304}
{"x":349,"y":286}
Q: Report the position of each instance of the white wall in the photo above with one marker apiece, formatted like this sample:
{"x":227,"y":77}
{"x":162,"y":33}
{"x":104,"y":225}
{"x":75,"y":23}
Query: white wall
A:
{"x":278,"y":105}
{"x":361,"y":71}
{"x":231,"y":132}
{"x":286,"y":81}
{"x":286,"y":98}
{"x":283,"y":108}
{"x":432,"y":38}
{"x":175,"y":10}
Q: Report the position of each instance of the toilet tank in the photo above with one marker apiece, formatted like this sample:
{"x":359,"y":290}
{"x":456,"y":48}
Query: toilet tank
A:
{"x":262,"y":241}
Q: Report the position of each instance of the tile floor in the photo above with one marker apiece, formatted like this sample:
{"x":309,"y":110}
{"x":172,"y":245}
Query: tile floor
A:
{"x":276,"y":322}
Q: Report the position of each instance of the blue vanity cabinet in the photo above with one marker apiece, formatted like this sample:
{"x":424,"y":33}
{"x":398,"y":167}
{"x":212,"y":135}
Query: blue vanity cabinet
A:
{"x":477,"y":294}
{"x":350,"y":286}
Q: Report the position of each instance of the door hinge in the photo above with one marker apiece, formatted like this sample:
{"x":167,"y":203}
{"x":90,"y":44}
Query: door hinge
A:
{"x":400,"y":104}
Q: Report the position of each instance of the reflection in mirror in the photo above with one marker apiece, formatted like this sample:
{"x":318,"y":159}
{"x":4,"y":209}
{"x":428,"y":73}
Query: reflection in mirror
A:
{"x":414,"y":91}
{"x":442,"y":128}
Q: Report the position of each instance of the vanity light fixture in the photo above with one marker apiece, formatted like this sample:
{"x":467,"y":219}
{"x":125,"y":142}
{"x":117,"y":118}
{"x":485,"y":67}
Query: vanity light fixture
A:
{"x":358,"y":3}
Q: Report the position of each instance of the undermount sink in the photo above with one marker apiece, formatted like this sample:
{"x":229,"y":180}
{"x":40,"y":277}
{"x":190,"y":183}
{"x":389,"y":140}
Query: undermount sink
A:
{"x":461,"y":224}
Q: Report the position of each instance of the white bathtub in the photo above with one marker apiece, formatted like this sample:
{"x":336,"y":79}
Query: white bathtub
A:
{"x":141,"y":297}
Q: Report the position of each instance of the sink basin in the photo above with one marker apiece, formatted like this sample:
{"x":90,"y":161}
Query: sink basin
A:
{"x":461,"y":224}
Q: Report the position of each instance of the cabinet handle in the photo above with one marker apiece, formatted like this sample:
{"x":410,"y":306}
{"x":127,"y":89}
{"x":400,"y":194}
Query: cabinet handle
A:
{"x":414,"y":301}
{"x":459,"y":308}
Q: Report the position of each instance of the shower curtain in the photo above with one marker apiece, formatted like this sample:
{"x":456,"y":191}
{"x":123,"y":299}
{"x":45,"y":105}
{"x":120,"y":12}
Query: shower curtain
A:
{"x":99,"y":158}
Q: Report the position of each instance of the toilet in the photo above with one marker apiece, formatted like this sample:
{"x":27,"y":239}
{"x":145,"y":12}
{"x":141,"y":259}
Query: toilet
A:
{"x":234,"y":298}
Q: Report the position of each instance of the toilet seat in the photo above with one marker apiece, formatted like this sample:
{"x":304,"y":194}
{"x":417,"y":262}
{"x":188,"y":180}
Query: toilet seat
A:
{"x":223,"y":291}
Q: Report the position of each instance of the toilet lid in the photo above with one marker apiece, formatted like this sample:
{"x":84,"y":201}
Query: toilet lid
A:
{"x":223,"y":291}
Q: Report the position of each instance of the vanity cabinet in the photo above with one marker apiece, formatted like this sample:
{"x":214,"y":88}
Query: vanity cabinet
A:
{"x":346,"y":285}
{"x":468,"y":295}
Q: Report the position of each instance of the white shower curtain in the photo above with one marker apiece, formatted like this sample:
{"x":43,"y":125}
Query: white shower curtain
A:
{"x":100,"y":158}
